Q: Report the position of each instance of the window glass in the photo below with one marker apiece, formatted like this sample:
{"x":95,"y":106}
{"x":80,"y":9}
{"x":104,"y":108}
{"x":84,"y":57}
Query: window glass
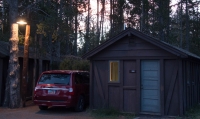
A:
{"x":82,"y":78}
{"x":55,"y":79}
{"x":78,"y":78}
{"x":86,"y":78}
{"x":114,"y":71}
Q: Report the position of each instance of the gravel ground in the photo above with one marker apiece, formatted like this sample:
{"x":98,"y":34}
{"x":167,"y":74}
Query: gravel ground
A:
{"x":32,"y":111}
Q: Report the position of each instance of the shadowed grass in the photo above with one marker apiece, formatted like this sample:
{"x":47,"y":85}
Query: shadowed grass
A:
{"x":193,"y":113}
{"x":110,"y":114}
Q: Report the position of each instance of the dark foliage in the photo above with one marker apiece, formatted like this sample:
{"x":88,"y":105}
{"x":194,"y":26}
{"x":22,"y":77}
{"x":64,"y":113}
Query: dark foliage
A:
{"x":74,"y":63}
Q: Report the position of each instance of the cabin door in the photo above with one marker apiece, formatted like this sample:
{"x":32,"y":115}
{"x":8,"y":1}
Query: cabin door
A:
{"x":150,"y":86}
{"x":129,"y":86}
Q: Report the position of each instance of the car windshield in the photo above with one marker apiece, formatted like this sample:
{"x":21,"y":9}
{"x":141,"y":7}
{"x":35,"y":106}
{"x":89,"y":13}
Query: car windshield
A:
{"x":55,"y":79}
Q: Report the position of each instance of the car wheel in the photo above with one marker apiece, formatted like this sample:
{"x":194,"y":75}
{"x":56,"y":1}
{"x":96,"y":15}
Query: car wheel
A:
{"x":43,"y":107}
{"x":80,"y":105}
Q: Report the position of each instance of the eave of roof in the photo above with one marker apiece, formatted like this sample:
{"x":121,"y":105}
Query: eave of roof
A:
{"x":130,"y":31}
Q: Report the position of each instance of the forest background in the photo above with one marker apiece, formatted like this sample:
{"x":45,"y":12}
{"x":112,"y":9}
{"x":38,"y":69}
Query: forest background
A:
{"x":73,"y":27}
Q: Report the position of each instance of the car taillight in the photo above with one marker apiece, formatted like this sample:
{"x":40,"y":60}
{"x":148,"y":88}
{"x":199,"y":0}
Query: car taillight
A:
{"x":36,"y":88}
{"x":71,"y":91}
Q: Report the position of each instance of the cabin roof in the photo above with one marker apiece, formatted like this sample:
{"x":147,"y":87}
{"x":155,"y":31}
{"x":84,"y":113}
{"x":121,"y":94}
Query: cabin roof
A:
{"x":132,"y":32}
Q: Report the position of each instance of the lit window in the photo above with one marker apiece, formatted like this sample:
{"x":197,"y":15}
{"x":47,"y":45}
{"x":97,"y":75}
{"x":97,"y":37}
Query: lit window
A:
{"x":114,"y":71}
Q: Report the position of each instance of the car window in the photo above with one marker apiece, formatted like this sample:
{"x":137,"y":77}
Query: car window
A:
{"x":78,"y":78}
{"x":55,"y":79}
{"x":86,"y":77}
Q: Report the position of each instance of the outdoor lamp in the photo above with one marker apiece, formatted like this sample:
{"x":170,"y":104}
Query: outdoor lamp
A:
{"x":21,"y":20}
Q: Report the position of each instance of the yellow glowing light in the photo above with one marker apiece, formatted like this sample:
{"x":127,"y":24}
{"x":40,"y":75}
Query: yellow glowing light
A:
{"x":22,"y":22}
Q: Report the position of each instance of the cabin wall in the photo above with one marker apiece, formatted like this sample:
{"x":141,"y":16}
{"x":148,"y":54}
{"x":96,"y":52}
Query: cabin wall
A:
{"x":120,"y":96}
{"x":126,"y":95}
{"x":99,"y":85}
{"x":1,"y":79}
{"x":191,"y":84}
{"x":4,"y":71}
{"x":177,"y":88}
{"x":171,"y":87}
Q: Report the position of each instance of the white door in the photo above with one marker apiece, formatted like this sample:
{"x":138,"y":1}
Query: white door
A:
{"x":150,"y":86}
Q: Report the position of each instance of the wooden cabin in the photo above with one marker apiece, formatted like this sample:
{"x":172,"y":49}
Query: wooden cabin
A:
{"x":136,"y":73}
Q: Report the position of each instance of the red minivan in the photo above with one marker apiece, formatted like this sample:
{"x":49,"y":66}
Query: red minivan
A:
{"x":68,"y":88}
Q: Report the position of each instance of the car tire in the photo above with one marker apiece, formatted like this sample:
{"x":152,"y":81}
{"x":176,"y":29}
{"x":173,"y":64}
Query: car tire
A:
{"x":43,"y":107}
{"x":80,"y":105}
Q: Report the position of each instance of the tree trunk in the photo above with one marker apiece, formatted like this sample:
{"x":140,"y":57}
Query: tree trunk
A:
{"x":98,"y":31}
{"x":25,"y":66}
{"x":102,"y":17}
{"x":161,"y":35}
{"x":87,"y":45}
{"x":142,"y":18}
{"x":76,"y":28}
{"x":12,"y":91}
{"x":187,"y":28}
{"x":181,"y":35}
{"x":153,"y":26}
{"x":111,"y":18}
{"x":121,"y":18}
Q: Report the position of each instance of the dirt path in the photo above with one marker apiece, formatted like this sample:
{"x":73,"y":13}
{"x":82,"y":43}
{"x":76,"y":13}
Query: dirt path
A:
{"x":33,"y":112}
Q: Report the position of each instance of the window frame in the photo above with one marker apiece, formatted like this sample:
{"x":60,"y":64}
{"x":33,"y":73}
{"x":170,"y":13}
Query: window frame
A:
{"x":109,"y":80}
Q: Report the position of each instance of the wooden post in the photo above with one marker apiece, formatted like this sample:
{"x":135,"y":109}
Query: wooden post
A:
{"x":25,"y":66}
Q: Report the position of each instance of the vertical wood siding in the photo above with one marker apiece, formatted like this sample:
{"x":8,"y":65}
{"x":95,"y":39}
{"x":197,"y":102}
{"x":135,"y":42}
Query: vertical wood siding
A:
{"x":171,"y":87}
{"x":191,"y":84}
{"x":91,"y":86}
{"x":5,"y":71}
{"x":180,"y":82}
{"x":114,"y":97}
{"x":184,"y":86}
{"x":1,"y":79}
{"x":100,"y":79}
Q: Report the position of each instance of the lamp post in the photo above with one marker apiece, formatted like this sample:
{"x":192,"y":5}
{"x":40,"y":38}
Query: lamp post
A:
{"x":25,"y":63}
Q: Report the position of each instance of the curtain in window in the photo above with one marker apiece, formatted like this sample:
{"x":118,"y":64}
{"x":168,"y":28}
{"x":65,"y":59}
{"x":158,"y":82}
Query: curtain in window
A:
{"x":114,"y":71}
